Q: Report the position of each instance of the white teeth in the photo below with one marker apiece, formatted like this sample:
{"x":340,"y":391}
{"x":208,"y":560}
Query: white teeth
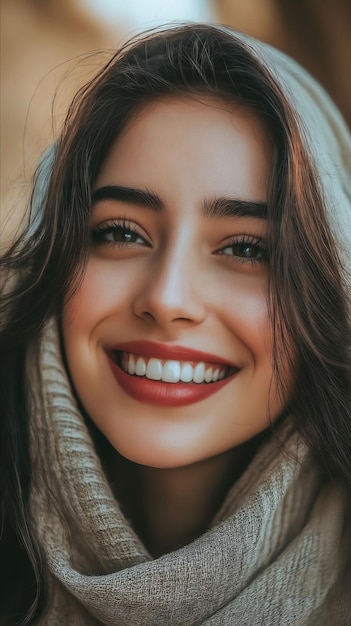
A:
{"x":208,"y":375}
{"x":199,"y":373}
{"x":186,"y":373}
{"x":140,"y":367}
{"x":131,"y":364}
{"x":154,"y":369}
{"x":171,"y":371}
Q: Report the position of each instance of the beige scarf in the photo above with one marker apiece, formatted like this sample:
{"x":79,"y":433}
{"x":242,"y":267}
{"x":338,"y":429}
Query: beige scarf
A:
{"x":272,"y":556}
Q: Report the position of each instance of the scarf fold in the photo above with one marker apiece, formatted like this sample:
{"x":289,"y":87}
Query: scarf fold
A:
{"x":271,"y":555}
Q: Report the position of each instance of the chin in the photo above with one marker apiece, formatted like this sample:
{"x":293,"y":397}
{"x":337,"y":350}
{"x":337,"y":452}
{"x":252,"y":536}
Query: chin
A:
{"x":158,"y":456}
{"x":168,"y":452}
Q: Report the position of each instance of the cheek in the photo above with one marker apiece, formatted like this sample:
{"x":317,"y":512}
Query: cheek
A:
{"x":101,"y":291}
{"x":250,"y":321}
{"x":245,"y":313}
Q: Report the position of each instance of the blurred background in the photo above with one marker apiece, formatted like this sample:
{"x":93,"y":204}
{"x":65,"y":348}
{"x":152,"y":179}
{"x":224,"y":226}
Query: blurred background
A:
{"x":48,"y":51}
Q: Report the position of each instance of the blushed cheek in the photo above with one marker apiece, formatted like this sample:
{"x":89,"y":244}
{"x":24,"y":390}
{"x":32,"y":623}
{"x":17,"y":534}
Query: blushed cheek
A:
{"x":101,"y":291}
{"x":247,"y":313}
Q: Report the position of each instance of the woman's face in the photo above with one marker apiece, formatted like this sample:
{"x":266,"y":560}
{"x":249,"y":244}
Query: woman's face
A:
{"x":167,"y":339}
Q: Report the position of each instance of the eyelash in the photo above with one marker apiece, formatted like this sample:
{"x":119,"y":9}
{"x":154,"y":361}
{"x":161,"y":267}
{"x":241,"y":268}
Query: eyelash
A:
{"x":99,"y":234}
{"x":245,"y":241}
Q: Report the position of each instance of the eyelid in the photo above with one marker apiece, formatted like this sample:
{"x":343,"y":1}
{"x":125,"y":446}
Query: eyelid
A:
{"x":121,"y":223}
{"x":244,"y":240}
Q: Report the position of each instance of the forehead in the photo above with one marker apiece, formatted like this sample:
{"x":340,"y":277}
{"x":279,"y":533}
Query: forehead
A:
{"x":193,"y":143}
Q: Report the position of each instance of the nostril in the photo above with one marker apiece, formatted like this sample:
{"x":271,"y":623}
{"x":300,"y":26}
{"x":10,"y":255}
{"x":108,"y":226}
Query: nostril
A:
{"x":148,"y":315}
{"x":167,"y":307}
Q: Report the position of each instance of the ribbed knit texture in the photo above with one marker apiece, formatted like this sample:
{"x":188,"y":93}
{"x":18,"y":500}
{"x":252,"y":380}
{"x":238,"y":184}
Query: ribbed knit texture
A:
{"x":270,"y":557}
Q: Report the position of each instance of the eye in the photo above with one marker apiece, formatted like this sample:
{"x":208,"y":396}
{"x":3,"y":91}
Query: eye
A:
{"x":245,"y":248}
{"x":118,"y":233}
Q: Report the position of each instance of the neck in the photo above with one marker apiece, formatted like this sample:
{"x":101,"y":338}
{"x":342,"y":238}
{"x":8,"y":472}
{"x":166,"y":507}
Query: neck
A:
{"x":170,"y":507}
{"x":179,"y":503}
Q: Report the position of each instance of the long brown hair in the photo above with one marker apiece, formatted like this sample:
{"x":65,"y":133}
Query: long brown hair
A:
{"x":307,"y":297}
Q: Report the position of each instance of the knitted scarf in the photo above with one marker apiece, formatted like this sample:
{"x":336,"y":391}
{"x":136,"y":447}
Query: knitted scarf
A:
{"x":272,"y":555}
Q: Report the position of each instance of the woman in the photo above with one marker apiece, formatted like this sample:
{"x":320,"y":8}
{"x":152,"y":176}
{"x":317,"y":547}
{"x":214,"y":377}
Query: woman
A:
{"x":176,"y":439}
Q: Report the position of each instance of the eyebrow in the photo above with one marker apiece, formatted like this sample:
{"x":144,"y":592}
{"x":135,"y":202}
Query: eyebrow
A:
{"x":231,"y":207}
{"x":130,"y":195}
{"x":212,"y":208}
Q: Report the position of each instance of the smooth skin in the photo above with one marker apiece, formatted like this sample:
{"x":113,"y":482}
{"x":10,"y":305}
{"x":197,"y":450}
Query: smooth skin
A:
{"x":174,"y":274}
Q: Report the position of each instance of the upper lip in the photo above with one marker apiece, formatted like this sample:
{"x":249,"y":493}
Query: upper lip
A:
{"x":168,"y":352}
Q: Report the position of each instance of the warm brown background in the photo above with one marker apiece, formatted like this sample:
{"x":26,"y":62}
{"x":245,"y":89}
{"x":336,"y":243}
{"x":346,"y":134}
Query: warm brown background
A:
{"x":317,"y":33}
{"x":41,"y":40}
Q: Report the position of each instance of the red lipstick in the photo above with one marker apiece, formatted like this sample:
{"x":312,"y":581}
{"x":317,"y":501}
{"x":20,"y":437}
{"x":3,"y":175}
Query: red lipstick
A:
{"x":162,"y":393}
{"x":167,"y":351}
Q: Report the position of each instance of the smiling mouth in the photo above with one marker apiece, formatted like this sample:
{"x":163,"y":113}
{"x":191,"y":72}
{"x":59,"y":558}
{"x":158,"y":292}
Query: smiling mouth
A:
{"x":153,"y":373}
{"x":170,"y":370}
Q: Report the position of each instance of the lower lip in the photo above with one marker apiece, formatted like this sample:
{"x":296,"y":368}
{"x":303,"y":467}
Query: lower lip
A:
{"x":165,"y":394}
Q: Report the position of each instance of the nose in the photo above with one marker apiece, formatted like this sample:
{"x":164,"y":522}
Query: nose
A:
{"x":171,"y":293}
